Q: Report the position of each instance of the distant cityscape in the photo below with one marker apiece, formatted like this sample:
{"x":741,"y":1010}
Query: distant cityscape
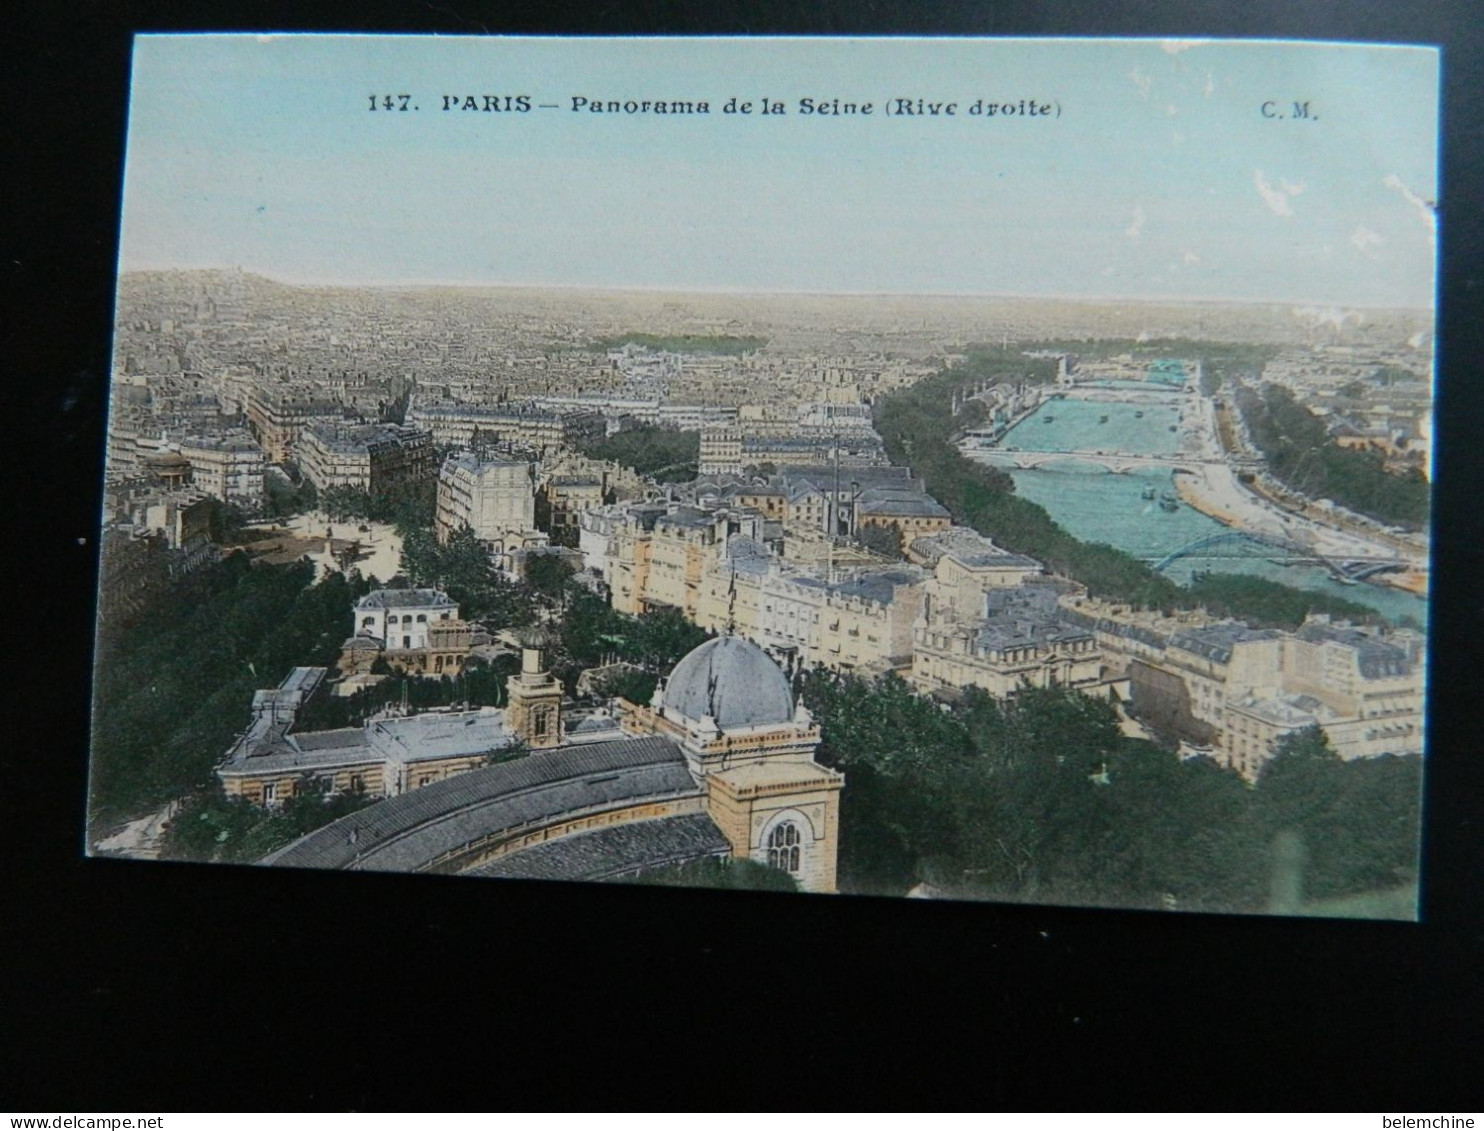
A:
{"x":586,"y":585}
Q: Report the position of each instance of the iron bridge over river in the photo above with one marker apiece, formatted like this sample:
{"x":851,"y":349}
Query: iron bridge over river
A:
{"x":1234,"y":544}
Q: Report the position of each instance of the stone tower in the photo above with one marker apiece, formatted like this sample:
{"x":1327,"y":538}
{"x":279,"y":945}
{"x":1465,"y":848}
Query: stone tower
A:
{"x":534,"y":711}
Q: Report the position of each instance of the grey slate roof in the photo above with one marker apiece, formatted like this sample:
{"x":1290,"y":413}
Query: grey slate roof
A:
{"x":895,"y":501}
{"x":231,"y":440}
{"x":740,"y":547}
{"x":897,"y":477}
{"x":341,"y":739}
{"x":407,"y":832}
{"x":1145,"y":635}
{"x":618,"y":850}
{"x":360,"y":438}
{"x":688,"y":517}
{"x":404,"y":599}
{"x":439,"y":734}
{"x":732,"y":680}
{"x":996,"y":635}
{"x":1377,"y":658}
{"x":880,"y":586}
{"x":303,"y":680}
{"x":970,"y":548}
{"x":1216,"y":641}
{"x":473,"y":463}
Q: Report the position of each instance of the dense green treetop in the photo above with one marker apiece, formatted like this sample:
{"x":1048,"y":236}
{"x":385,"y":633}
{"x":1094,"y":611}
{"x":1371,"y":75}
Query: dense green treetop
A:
{"x":211,"y":827}
{"x":714,"y":344}
{"x":407,"y":506}
{"x":462,"y":568}
{"x":1299,"y":452}
{"x":548,"y":574}
{"x":665,"y":454}
{"x":282,"y":499}
{"x":592,"y":632}
{"x":173,"y":687}
{"x":1042,"y":798}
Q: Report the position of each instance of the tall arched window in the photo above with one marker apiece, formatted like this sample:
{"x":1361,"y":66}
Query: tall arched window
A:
{"x":783,"y":847}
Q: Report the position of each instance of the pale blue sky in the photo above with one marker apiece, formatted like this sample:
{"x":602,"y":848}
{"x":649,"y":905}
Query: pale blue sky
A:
{"x":1161,"y":178}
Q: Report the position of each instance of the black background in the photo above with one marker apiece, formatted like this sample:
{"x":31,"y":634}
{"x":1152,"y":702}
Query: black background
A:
{"x":144,"y":986}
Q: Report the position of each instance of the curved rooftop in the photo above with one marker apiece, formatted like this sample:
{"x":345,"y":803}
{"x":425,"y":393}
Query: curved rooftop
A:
{"x":405,"y":599}
{"x":733,"y":681}
{"x":408,"y":832}
{"x":614,"y":851}
{"x":166,"y":460}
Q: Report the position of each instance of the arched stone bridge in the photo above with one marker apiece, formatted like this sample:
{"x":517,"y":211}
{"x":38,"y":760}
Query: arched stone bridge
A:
{"x":1119,"y":463}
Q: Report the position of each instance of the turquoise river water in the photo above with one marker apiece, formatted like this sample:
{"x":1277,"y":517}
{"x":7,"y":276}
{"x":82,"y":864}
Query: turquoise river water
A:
{"x":1097,"y":506}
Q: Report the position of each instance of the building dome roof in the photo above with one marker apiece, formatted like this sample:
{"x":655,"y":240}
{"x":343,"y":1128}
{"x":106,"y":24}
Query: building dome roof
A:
{"x":166,"y":461}
{"x":732,"y":680}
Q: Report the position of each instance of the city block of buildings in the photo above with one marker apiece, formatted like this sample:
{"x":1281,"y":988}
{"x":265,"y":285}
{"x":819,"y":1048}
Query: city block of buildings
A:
{"x":1233,"y":692}
{"x":365,"y":457}
{"x":961,"y":612}
{"x":721,"y":764}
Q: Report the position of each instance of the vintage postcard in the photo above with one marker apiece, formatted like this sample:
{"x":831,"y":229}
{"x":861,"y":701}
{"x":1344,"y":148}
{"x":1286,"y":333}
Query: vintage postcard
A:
{"x":958,"y":469}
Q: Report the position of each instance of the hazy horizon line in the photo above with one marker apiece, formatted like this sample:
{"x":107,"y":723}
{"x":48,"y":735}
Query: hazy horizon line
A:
{"x":640,"y":288}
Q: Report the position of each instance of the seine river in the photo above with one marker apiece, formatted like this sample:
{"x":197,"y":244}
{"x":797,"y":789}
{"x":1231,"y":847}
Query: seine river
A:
{"x":1098,"y":506}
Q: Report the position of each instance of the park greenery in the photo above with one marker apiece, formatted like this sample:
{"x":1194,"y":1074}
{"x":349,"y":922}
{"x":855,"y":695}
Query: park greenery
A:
{"x":283,"y":499}
{"x":1300,"y":454}
{"x":547,"y":575}
{"x":1041,"y":798}
{"x":461,"y":567}
{"x":226,"y":523}
{"x":174,"y":685}
{"x":175,"y":682}
{"x":710,"y":344}
{"x":592,"y":633}
{"x":1268,"y":603}
{"x":214,"y":828}
{"x":667,"y":455}
{"x":477,"y":685}
{"x":918,"y":427}
{"x":880,"y":539}
{"x":407,"y":506}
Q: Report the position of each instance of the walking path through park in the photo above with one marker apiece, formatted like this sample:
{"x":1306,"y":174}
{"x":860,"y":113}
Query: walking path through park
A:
{"x":376,"y":545}
{"x":139,"y":839}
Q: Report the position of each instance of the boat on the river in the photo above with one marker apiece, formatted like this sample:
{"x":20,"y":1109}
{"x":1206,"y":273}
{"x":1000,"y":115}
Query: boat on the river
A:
{"x":1169,"y":502}
{"x":1139,"y":415}
{"x":1148,"y":493}
{"x":1102,"y":420}
{"x":1047,"y":419}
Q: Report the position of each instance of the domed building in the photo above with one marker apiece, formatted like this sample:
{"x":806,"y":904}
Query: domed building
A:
{"x":720,"y":763}
{"x":168,"y":468}
{"x":730,"y":710}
